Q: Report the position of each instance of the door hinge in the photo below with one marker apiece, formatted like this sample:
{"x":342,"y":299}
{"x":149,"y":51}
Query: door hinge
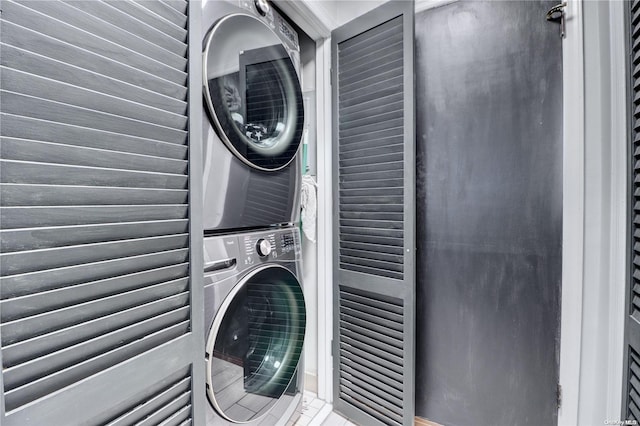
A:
{"x":559,"y":395}
{"x":331,"y":76}
{"x":333,"y":349}
{"x":556,"y":14}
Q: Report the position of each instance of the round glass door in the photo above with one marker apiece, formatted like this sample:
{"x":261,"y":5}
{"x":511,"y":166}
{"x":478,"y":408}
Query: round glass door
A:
{"x":252,"y":92}
{"x":255,"y":344}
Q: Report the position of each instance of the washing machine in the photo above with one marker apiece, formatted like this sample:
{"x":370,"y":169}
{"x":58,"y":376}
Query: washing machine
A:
{"x":253,"y":116}
{"x":255,"y":322}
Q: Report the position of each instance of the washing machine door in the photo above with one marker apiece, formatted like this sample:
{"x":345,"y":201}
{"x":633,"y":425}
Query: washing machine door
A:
{"x":255,"y":343}
{"x":252,"y":92}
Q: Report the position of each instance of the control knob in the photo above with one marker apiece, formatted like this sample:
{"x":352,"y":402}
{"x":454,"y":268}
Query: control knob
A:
{"x":263,"y":247}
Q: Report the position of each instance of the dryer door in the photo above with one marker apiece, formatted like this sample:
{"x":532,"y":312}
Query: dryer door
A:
{"x":252,"y":92}
{"x":255,"y":343}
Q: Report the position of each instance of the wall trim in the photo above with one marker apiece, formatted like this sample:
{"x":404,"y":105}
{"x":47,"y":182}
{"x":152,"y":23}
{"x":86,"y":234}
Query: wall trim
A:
{"x":325,"y":223}
{"x":431,"y":4}
{"x":312,"y":17}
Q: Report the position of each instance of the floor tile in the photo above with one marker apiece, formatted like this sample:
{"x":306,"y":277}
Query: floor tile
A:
{"x":334,"y":419}
{"x":310,"y":411}
{"x":324,"y":412}
{"x":303,"y":420}
{"x":309,"y":396}
{"x":317,"y":403}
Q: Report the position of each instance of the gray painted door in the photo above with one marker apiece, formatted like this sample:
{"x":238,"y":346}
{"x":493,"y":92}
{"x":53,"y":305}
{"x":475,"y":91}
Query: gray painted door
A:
{"x":100,"y":269}
{"x":631,"y":385}
{"x":489,"y":126}
{"x":373,"y":139}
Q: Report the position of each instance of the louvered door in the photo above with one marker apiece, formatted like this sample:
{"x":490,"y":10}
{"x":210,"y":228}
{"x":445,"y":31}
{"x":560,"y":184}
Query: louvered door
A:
{"x":631,"y":386}
{"x":98,"y":282}
{"x":373,"y":137}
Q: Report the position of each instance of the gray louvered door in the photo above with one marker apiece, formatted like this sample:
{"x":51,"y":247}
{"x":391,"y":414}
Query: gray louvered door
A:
{"x":631,"y":386}
{"x":98,"y":280}
{"x":374,"y":199}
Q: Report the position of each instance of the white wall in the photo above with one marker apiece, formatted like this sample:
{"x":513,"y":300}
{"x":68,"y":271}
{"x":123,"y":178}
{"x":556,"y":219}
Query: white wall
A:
{"x":347,"y":10}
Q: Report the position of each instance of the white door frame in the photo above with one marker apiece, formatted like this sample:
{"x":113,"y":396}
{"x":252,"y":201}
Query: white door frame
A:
{"x":595,"y":214}
{"x":325,"y":221}
{"x":572,"y":214}
{"x":619,"y":228}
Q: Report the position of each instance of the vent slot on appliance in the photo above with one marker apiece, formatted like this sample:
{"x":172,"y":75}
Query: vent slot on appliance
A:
{"x":371,"y":152}
{"x":371,"y":353}
{"x":270,"y":196}
{"x":93,"y":196}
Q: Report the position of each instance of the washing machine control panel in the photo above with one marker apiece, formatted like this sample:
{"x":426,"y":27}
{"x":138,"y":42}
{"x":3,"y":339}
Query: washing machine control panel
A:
{"x":273,"y":19}
{"x":228,"y":254}
{"x":288,"y":243}
{"x":265,"y":246}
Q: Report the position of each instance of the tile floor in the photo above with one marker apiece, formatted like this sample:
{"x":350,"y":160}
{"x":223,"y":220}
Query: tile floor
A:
{"x":316,"y":413}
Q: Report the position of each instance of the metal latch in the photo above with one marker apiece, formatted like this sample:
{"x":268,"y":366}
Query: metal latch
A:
{"x":556,"y":14}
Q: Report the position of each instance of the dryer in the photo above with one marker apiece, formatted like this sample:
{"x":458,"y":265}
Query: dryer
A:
{"x":253,"y":117}
{"x":256,"y":318}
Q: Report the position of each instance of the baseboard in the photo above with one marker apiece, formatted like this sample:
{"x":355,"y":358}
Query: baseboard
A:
{"x":311,"y":382}
{"x":418,"y":421}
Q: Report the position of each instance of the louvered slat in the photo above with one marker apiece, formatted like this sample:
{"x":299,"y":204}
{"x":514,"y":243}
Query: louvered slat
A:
{"x":633,"y":387}
{"x":23,"y":60}
{"x":50,"y":363}
{"x":40,"y":302}
{"x":36,"y":151}
{"x":108,"y":31}
{"x":18,"y":285}
{"x":80,"y":369}
{"x":59,"y":257}
{"x":29,"y":349}
{"x":131,"y":24}
{"x":141,"y":12}
{"x":20,"y":127}
{"x":46,"y":238}
{"x":371,"y":352}
{"x":635,"y":136}
{"x":25,"y":83}
{"x":51,"y":110}
{"x":154,"y":402}
{"x":94,"y":201}
{"x":33,"y":15}
{"x":28,"y":327}
{"x":37,"y":216}
{"x":16,"y":195}
{"x":33,"y":41}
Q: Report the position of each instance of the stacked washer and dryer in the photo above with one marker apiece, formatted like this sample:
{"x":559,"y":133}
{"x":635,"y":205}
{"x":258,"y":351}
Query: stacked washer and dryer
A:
{"x":252,"y":126}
